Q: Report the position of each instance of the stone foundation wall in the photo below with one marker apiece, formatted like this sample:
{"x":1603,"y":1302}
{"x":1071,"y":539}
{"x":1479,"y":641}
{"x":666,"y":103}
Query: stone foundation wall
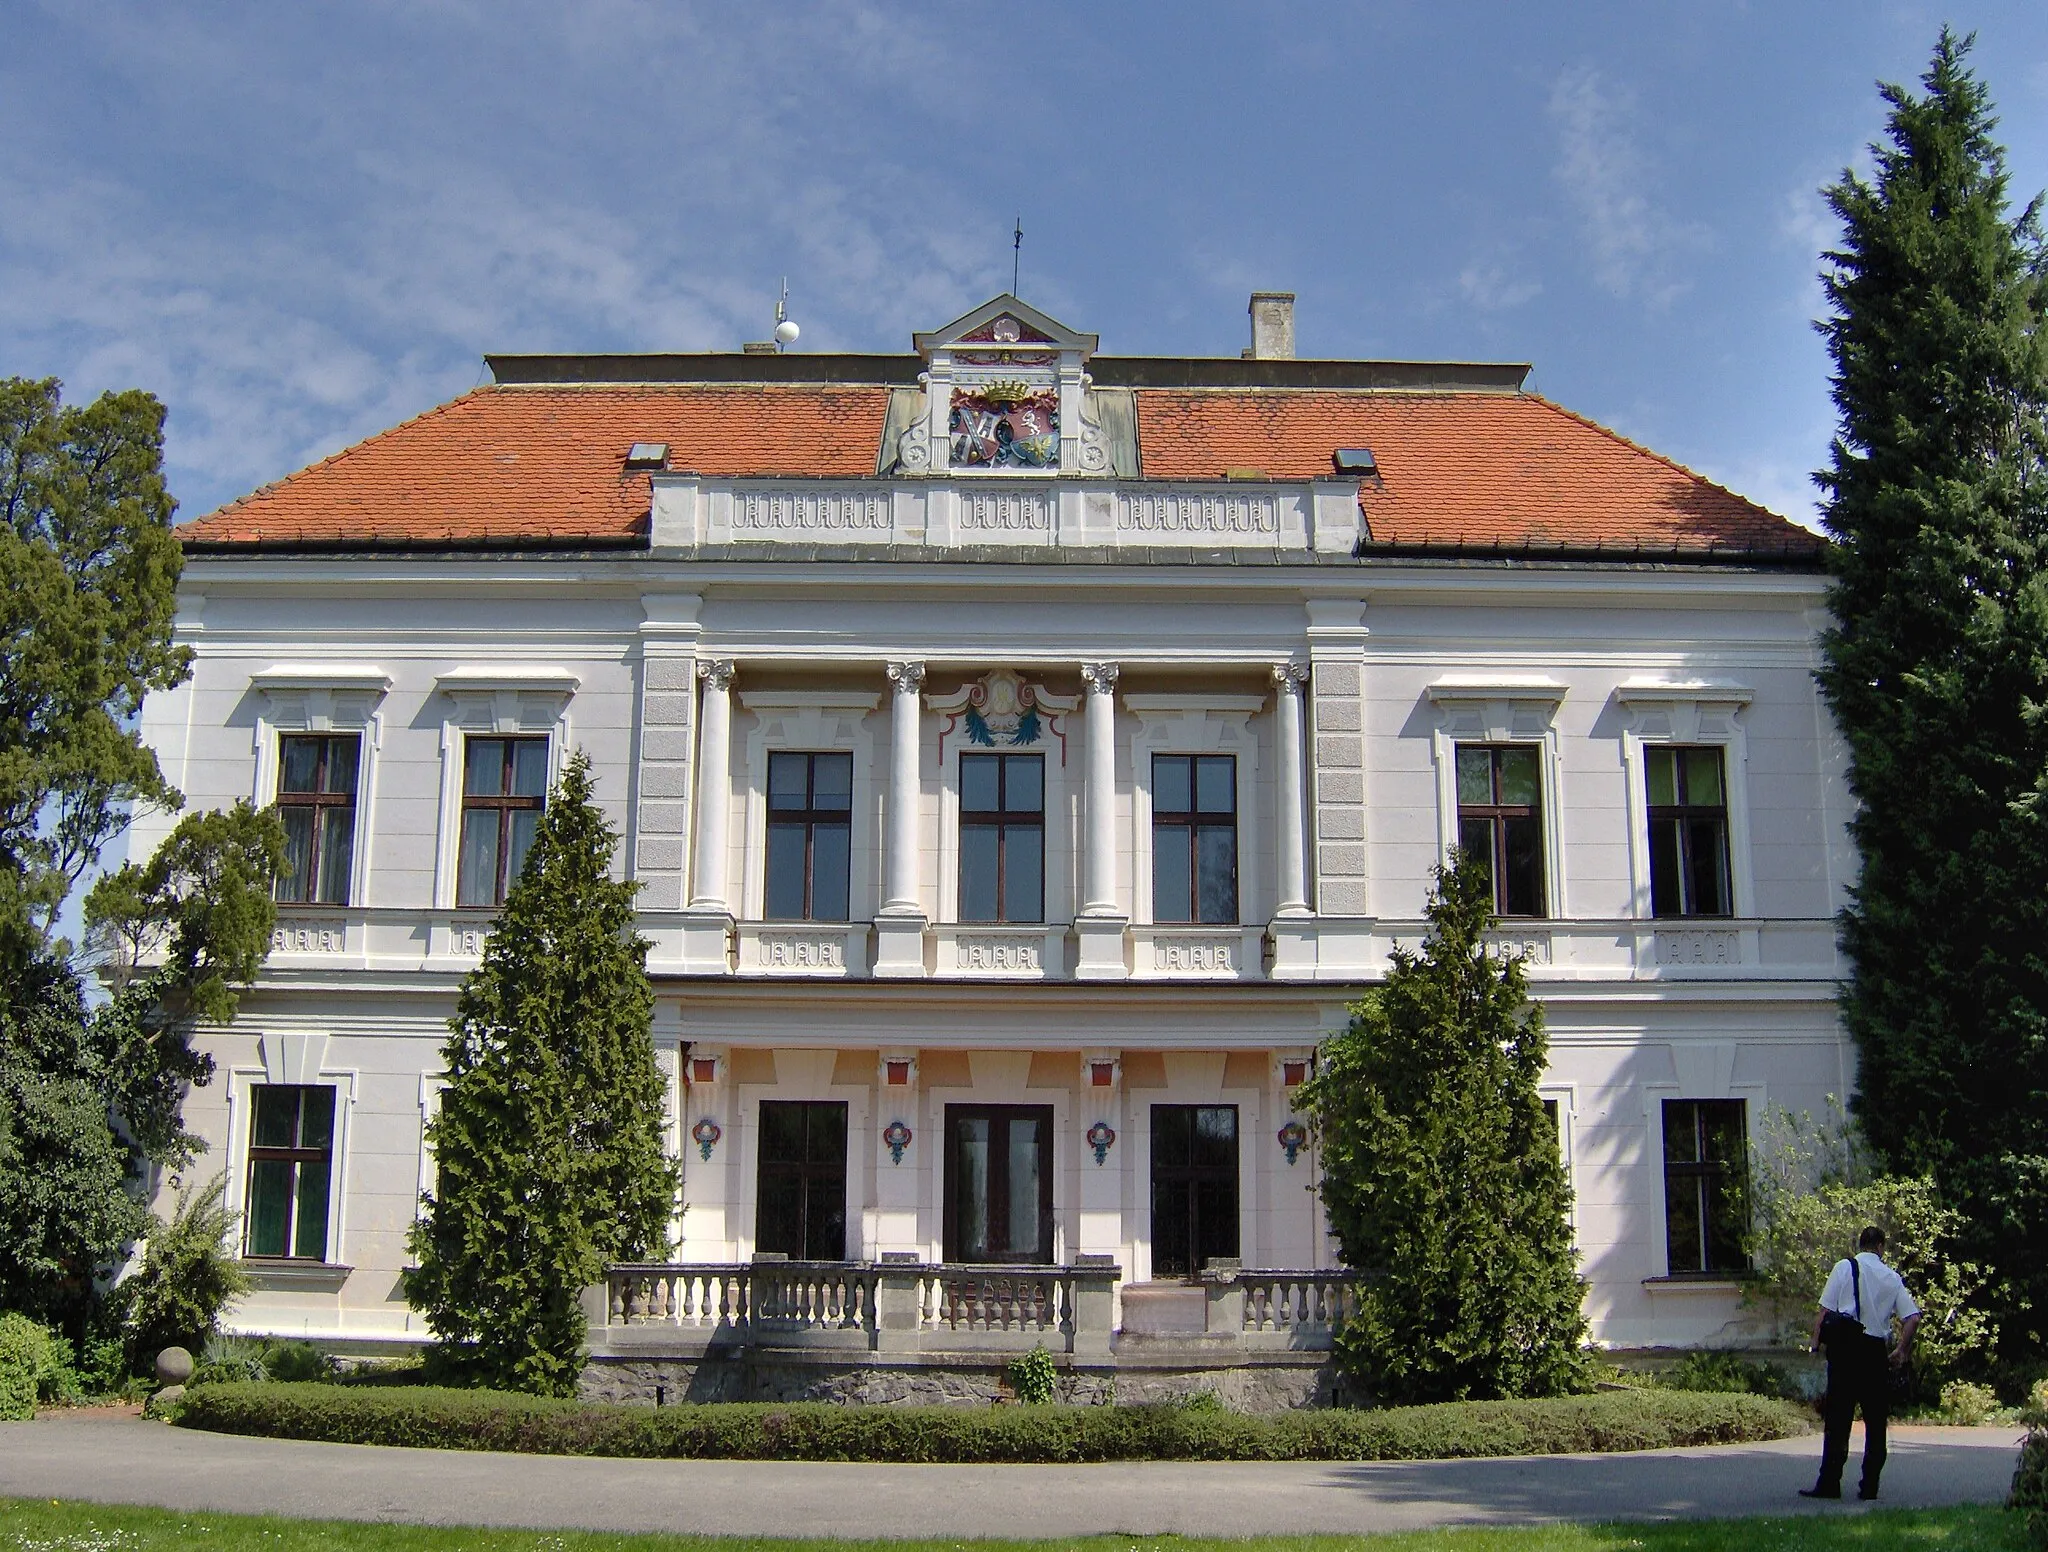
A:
{"x":769,"y":1376}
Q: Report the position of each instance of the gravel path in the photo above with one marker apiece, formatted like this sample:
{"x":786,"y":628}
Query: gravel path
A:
{"x":121,"y":1459}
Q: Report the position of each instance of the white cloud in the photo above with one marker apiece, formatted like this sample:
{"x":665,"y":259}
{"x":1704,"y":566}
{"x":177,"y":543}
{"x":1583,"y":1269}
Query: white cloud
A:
{"x":1491,"y":287}
{"x":1634,"y":245}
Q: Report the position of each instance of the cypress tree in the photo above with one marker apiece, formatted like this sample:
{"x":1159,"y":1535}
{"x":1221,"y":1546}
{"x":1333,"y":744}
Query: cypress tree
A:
{"x":548,"y":1147}
{"x":1936,"y":667}
{"x":1442,"y":1175}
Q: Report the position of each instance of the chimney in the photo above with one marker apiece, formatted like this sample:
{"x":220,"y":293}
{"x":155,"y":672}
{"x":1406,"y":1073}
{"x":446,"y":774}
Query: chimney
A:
{"x":1272,"y":326}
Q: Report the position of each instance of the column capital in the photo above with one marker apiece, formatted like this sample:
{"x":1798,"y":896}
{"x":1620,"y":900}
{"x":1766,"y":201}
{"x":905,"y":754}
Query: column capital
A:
{"x":1290,"y":677}
{"x":716,"y":672}
{"x":906,"y":677}
{"x":1100,"y":677}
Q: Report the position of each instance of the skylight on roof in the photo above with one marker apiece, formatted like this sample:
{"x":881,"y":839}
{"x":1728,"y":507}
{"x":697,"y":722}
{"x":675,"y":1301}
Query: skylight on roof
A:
{"x":647,"y":455}
{"x":1355,"y":460}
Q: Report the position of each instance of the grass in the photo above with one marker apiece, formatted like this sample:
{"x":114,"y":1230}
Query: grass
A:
{"x":46,"y":1525}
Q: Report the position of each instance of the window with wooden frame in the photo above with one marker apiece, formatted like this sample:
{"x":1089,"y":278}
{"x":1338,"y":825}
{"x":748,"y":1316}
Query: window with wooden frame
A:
{"x":504,"y":786}
{"x":291,"y":1170}
{"x":1194,"y":838}
{"x":1500,"y":821}
{"x":810,"y":836}
{"x":1002,"y":838}
{"x":1688,"y":804}
{"x":316,"y":801}
{"x":1706,"y":1176}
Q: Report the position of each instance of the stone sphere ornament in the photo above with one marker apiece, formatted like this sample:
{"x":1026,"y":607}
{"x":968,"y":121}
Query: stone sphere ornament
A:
{"x":173,"y":1366}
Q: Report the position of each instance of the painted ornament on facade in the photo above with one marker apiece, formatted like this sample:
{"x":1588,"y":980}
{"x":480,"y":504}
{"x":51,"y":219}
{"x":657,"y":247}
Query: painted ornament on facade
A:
{"x":1005,"y":425}
{"x":1101,"y":1137}
{"x":1003,"y":709}
{"x":896,"y":1137}
{"x":706,"y":1134}
{"x":1293,"y":1137}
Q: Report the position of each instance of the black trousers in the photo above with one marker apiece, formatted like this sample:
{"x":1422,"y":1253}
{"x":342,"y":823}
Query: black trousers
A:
{"x":1859,"y":1375}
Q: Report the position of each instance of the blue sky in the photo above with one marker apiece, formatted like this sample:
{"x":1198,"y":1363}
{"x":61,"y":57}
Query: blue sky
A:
{"x":299,"y":223}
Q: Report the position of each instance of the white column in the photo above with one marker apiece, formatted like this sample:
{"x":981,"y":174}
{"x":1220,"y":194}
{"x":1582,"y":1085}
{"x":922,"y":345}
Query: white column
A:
{"x":714,"y":786}
{"x":1291,"y":835}
{"x":900,"y":899}
{"x":1098,"y":867}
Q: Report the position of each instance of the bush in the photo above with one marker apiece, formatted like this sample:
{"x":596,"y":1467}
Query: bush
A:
{"x":1727,"y":1373}
{"x":188,"y":1279}
{"x":35,"y":1366}
{"x":1032,"y":1376}
{"x":250,"y":1360}
{"x":433,"y":1418}
{"x":1967,"y":1404}
{"x":2030,"y":1481}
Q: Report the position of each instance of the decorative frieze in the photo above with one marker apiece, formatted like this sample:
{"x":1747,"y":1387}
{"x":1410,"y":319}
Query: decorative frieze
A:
{"x":1699,"y":947}
{"x":782,"y":512}
{"x":1194,"y":954}
{"x":1220,"y":513}
{"x":308,"y":937}
{"x":1532,"y":948}
{"x":1023,"y":954}
{"x":1000,"y":512}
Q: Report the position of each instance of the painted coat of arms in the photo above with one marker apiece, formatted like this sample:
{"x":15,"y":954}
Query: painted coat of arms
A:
{"x":1005,"y":425}
{"x":1002,"y":709}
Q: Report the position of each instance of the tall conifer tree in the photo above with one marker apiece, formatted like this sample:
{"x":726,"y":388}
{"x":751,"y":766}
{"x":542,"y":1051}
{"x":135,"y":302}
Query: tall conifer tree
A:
{"x":1442,"y":1175}
{"x":1937,"y":665}
{"x":548,"y":1147}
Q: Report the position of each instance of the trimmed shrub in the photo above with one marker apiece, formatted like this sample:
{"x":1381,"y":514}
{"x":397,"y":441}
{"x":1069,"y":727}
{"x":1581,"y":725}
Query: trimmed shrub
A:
{"x":425,"y":1417}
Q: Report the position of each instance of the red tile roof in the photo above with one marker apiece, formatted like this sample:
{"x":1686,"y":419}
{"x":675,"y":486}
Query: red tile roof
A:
{"x":544,"y":464}
{"x":1510,"y":471}
{"x":547,"y":464}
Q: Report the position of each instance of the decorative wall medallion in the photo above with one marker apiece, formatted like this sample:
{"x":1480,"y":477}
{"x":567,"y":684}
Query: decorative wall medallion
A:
{"x":896,"y":1137}
{"x":1003,"y":709}
{"x":1005,"y":425}
{"x":1101,"y":1137}
{"x":706,"y":1134}
{"x":1293,"y":1137}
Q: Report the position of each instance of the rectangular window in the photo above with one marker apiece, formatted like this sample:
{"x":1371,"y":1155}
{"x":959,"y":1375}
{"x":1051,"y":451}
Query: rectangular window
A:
{"x":1002,"y":838}
{"x":316,"y":800}
{"x":1688,"y":832}
{"x":1706,"y":1174}
{"x":1194,"y":838}
{"x":810,"y":836}
{"x":1500,"y":821}
{"x":998,"y":1183}
{"x":801,"y":1211}
{"x":1194,"y":1187}
{"x":504,"y":784}
{"x":291,"y":1158}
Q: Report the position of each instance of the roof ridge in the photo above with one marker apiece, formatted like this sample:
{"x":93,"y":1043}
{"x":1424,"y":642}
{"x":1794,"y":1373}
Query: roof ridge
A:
{"x":340,"y":453}
{"x":1664,"y":458}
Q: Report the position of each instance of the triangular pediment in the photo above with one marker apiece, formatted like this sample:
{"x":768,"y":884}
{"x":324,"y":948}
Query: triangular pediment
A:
{"x":986,"y":328}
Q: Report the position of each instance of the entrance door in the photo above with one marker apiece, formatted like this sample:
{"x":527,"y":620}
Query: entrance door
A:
{"x":999,"y":1183}
{"x":1194,"y":1186}
{"x":801,"y":1201}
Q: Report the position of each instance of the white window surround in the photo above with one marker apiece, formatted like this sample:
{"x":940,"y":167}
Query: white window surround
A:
{"x":1695,"y":712}
{"x":1502,"y":709}
{"x":743,"y":1136}
{"x":501,"y":700}
{"x":1703,"y":1069}
{"x":811,"y":722}
{"x":432,"y":1086}
{"x":1566,"y":1097}
{"x":1196,"y":724}
{"x":1063,"y":780}
{"x":1067,"y":1148}
{"x":1254,"y":1137}
{"x":324,"y":698}
{"x":295,"y":1059}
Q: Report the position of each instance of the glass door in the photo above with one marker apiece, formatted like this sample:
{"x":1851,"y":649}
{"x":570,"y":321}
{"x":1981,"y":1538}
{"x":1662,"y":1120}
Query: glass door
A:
{"x":801,"y":1205}
{"x":999,"y":1183}
{"x":1194,"y":1187}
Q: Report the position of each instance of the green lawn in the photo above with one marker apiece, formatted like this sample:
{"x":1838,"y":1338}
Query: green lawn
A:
{"x":43,"y":1525}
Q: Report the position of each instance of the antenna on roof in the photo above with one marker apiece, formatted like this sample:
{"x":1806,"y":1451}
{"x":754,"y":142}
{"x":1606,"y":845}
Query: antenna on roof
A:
{"x":1016,"y":254}
{"x":786,"y":332}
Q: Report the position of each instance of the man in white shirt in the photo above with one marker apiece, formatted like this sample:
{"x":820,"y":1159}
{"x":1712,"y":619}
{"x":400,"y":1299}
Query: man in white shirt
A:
{"x":1860,"y":1362}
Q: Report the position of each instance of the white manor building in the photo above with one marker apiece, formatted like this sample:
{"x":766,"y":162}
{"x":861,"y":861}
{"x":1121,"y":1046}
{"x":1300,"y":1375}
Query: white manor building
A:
{"x":1025,"y":755}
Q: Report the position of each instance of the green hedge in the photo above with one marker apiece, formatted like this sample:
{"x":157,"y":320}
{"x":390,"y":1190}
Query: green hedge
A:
{"x":488,"y":1420}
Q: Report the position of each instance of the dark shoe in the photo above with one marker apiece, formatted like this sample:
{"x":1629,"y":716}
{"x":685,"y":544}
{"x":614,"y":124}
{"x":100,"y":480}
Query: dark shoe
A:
{"x":1866,"y":1493}
{"x":1820,"y":1492}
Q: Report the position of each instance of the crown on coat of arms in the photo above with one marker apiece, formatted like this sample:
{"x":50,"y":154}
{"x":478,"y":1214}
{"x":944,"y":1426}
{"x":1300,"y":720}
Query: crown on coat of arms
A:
{"x":1007,"y":390}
